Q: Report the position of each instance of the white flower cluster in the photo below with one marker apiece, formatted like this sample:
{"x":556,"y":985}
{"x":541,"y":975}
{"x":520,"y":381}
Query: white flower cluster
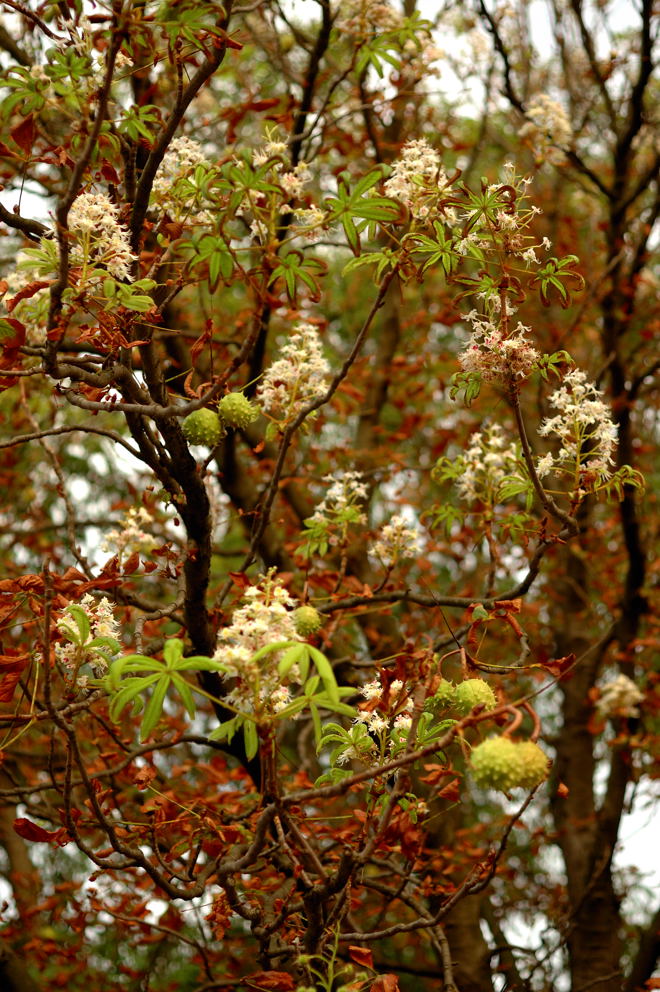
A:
{"x":497,"y":356}
{"x":377,"y":723}
{"x":170,"y":190}
{"x":33,"y":310}
{"x":396,"y":540}
{"x":585,"y":429}
{"x":100,"y":240}
{"x":274,"y":148}
{"x":346,"y":492}
{"x":296,"y":379}
{"x":294,"y":180}
{"x":489,"y":459}
{"x":265,"y":619}
{"x":309,"y":221}
{"x":362,"y":18}
{"x":621,"y":697}
{"x":548,"y":129}
{"x":413,"y":175}
{"x":78,"y":650}
{"x":131,"y":537}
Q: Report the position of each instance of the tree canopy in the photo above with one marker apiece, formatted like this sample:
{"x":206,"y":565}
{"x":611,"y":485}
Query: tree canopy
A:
{"x":327,"y":408}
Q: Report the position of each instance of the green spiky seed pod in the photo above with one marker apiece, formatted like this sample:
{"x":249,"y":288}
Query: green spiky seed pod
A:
{"x":236,"y":410}
{"x":442,"y":698}
{"x":534,"y":762}
{"x":202,"y":427}
{"x":496,"y":764}
{"x":306,"y":620}
{"x":471,"y":693}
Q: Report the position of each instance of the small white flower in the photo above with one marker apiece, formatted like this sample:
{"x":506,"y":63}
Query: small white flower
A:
{"x":372,"y":690}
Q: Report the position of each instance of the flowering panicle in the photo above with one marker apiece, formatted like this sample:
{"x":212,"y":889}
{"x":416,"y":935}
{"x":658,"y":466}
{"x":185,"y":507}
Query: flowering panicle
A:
{"x":498,"y":355}
{"x":262,"y":211}
{"x":416,"y":175}
{"x":375,"y":731}
{"x":296,"y":379}
{"x":130,"y":537}
{"x":32,"y":311}
{"x":361,"y":18}
{"x":621,"y":697}
{"x":89,"y":637}
{"x":548,"y":129}
{"x":173,"y":190}
{"x":266,"y":618}
{"x":342,"y":500}
{"x":396,"y":540}
{"x":488,"y":461}
{"x":99,"y":239}
{"x":585,"y":430}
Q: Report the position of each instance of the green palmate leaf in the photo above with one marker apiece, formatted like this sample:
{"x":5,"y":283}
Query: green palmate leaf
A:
{"x":291,"y":709}
{"x":162,"y":676}
{"x":316,"y":721}
{"x":185,"y":692}
{"x":332,"y":777}
{"x":82,"y":621}
{"x":109,"y":644}
{"x":324,"y":668}
{"x":553,"y":276}
{"x":137,"y":122}
{"x":131,"y":692}
{"x":290,"y":658}
{"x":226,"y":730}
{"x":211,"y":250}
{"x":353,"y":205}
{"x":295,"y":268}
{"x":251,"y":738}
{"x":468,"y":383}
{"x":440,"y":250}
{"x":154,"y":707}
{"x":552,"y":363}
{"x":513,"y":487}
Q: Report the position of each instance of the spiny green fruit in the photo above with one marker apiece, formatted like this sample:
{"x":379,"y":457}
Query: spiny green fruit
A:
{"x":306,"y":620}
{"x":496,"y":764}
{"x":534,"y":762}
{"x":471,"y":693}
{"x":443,"y":696}
{"x":202,"y":427}
{"x":236,"y":410}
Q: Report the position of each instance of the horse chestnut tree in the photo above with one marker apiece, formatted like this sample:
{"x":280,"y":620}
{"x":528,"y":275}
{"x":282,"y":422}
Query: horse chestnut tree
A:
{"x":326,"y":383}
